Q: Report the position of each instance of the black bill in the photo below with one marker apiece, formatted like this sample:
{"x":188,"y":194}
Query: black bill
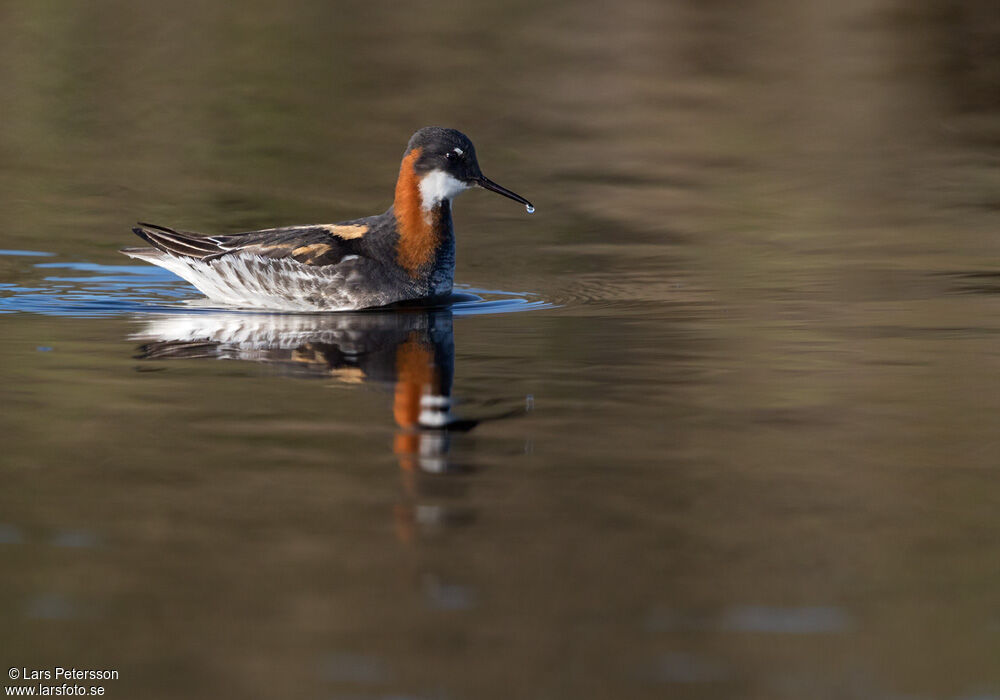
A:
{"x":488,"y":184}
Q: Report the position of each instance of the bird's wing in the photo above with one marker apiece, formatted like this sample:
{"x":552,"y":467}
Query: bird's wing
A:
{"x":310,"y":245}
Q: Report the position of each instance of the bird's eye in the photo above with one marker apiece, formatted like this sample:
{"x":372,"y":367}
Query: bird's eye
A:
{"x":451,"y":155}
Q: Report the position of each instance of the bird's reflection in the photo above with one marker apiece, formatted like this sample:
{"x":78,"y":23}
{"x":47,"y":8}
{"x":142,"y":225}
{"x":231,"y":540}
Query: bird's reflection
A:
{"x":410,"y":350}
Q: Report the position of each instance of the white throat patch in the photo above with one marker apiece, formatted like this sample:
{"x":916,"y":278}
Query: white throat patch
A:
{"x":437,"y":185}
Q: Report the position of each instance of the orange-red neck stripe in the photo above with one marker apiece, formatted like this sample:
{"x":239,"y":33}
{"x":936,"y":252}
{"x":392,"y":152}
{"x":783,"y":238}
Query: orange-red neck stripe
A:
{"x":418,"y":229}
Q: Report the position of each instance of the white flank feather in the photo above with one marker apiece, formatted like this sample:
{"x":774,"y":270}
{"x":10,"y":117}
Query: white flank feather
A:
{"x":249,"y":281}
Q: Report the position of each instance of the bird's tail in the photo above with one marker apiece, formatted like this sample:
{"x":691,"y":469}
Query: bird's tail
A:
{"x":147,"y":254}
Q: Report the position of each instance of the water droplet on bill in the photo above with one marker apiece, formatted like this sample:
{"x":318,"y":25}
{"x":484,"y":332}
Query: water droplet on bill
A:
{"x":529,"y":208}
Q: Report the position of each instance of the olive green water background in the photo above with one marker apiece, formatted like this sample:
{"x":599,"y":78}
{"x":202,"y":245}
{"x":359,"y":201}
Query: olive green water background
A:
{"x":762,"y":459}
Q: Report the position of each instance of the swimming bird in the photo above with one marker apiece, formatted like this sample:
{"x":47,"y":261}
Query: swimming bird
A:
{"x":406,"y":253}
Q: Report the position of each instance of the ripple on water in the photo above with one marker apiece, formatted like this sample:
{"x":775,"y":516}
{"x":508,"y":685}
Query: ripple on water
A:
{"x":26,"y":253}
{"x":633,"y":292}
{"x":83,"y":289}
{"x":10,"y":534}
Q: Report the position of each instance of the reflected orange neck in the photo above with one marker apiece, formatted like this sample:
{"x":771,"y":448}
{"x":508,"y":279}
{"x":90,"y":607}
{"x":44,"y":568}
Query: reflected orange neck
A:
{"x":416,"y":375}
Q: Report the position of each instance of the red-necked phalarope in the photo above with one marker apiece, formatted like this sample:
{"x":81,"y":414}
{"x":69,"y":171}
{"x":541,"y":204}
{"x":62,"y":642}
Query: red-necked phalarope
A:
{"x":406,"y":253}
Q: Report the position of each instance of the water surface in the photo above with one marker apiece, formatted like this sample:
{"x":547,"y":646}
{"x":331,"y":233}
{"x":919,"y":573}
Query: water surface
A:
{"x":725,"y":408}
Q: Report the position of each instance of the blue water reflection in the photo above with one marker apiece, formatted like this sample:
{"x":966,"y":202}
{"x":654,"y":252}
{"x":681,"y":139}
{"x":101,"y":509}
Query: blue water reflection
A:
{"x":112,"y":290}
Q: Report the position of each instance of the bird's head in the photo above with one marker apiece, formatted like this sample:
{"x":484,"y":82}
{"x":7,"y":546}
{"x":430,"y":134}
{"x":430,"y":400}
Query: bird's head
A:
{"x":444,"y":162}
